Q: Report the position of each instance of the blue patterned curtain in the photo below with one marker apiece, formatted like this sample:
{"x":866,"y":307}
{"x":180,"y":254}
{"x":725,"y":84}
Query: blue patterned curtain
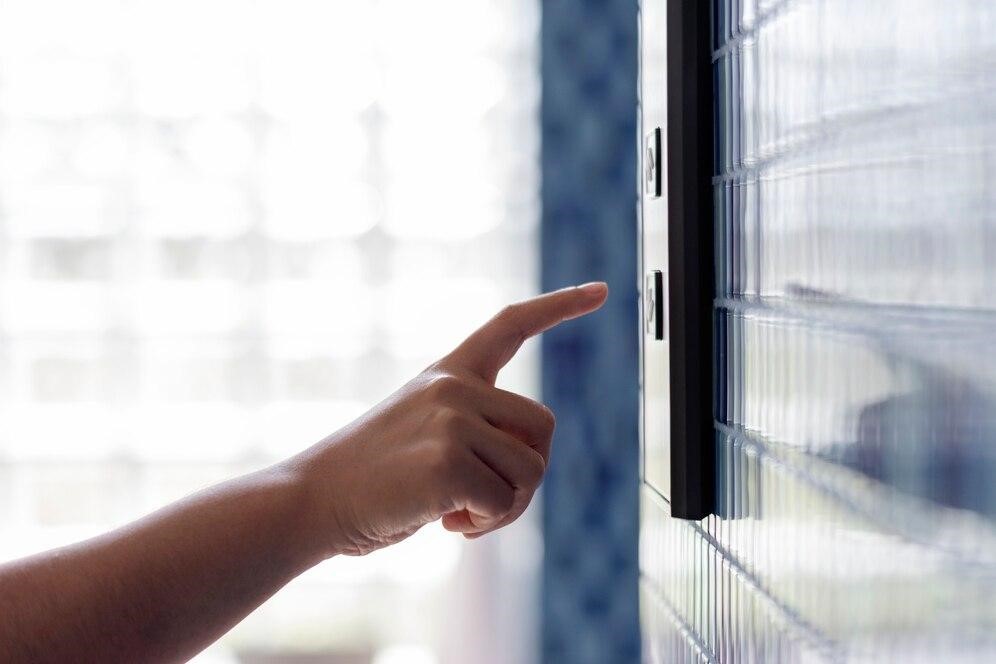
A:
{"x":590,"y":513}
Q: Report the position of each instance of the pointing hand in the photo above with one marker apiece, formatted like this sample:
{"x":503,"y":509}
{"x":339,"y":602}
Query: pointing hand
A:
{"x":448,"y":444}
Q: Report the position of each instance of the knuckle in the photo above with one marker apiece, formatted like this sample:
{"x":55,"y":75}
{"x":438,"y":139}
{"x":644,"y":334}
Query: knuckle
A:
{"x":444,"y":386}
{"x":450,"y":433}
{"x":547,"y":420}
{"x":507,"y":312}
{"x":509,"y":316}
{"x":536,"y":468}
{"x":451,"y":424}
{"x":505,"y":501}
{"x":444,"y":456}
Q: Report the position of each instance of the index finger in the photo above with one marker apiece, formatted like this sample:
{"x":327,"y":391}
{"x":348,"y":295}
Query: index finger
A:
{"x":490,"y":348}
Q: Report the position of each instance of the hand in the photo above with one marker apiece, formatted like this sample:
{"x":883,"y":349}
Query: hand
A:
{"x":448,"y":445}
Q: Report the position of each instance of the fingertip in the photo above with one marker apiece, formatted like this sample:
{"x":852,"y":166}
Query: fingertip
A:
{"x":587,"y":298}
{"x":595,"y":288}
{"x":596,"y":291}
{"x":458,"y":522}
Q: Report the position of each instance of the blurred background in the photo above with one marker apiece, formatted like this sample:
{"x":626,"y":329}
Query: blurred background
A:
{"x":191,"y":194}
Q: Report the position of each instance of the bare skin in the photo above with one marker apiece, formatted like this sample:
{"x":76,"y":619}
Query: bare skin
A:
{"x":448,"y":445}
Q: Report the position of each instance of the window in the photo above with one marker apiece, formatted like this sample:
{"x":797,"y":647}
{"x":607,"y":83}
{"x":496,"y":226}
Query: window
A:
{"x":227,"y":227}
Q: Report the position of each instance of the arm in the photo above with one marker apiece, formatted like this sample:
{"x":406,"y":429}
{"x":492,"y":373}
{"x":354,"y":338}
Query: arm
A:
{"x":447,"y":445}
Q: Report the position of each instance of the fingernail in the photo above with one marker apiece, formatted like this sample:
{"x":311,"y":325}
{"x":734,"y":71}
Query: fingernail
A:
{"x":594,"y":288}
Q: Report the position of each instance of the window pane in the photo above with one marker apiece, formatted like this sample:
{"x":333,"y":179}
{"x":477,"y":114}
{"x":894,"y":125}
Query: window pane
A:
{"x":226,"y":229}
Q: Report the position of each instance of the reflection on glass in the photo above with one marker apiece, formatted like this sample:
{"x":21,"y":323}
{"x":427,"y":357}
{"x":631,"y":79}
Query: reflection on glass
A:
{"x":856,"y":400}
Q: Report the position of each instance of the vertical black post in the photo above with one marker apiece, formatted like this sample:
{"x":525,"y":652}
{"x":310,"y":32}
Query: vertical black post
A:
{"x":688,"y":153}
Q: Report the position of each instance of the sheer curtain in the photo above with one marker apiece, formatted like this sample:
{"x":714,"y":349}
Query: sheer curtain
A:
{"x":227,"y":227}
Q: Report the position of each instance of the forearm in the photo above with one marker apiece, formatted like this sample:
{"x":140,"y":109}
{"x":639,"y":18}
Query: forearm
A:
{"x":448,"y":445}
{"x":162,"y":588}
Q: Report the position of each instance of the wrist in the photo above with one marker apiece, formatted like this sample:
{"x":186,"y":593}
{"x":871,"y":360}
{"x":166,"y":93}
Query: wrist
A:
{"x":295,"y":505}
{"x":318,"y":528}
